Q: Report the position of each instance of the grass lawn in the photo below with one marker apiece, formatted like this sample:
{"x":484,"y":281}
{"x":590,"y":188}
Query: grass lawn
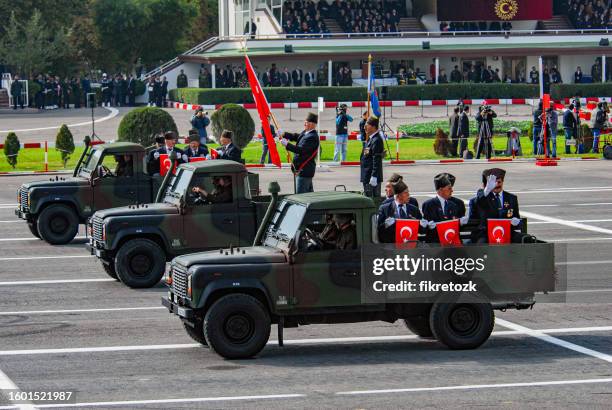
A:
{"x":410,"y":149}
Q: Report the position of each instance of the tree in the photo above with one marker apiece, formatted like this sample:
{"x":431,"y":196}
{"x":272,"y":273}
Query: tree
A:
{"x":30,"y":46}
{"x":206,"y":23}
{"x":237,"y":119}
{"x":64,"y":143}
{"x":142,"y":124}
{"x":11,"y":149}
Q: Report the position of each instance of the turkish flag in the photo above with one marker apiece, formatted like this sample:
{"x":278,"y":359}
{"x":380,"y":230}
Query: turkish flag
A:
{"x":546,"y":101}
{"x":164,"y":165}
{"x":559,"y":107}
{"x":214,"y":154}
{"x":263,"y":109}
{"x":500,"y":231}
{"x":448,"y":232}
{"x":197,"y":159}
{"x":406,"y":232}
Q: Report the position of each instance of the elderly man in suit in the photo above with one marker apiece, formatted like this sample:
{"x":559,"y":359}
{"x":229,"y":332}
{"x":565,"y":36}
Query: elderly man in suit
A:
{"x":304,"y":162}
{"x":371,"y":159}
{"x":443,"y":207}
{"x":399,"y":208}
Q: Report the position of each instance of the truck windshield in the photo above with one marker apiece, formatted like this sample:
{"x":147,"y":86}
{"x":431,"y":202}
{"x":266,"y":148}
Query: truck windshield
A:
{"x":177,"y":187}
{"x":284,"y":224}
{"x":90,"y":162}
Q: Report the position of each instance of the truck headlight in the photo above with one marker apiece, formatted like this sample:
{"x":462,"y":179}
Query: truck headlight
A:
{"x":103,"y":232}
{"x":168,"y":278}
{"x":189,"y":286}
{"x":28,"y":202}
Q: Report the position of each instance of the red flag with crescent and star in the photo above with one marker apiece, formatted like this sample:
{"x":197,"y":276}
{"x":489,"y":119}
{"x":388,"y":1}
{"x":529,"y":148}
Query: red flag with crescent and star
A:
{"x":448,"y":232}
{"x":406,"y":232}
{"x":164,"y":165}
{"x":500,"y":231}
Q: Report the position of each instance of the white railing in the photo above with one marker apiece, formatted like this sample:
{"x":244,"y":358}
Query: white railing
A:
{"x":172,"y":63}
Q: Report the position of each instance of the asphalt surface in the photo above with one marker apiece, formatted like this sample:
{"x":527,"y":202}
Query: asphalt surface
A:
{"x":65,"y":326}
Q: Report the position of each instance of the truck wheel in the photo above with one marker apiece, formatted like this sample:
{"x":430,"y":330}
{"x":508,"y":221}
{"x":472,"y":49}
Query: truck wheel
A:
{"x":110,"y":269}
{"x":419,"y":326}
{"x":462,"y":325}
{"x":57,"y":224}
{"x":196,"y":332}
{"x":34,"y":229}
{"x":237,"y":326}
{"x":140,"y":263}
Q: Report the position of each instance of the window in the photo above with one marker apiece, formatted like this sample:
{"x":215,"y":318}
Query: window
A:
{"x":211,"y":189}
{"x":119,"y":165}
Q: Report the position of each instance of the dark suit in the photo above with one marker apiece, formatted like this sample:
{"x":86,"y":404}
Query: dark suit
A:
{"x":305,"y":150}
{"x":453,"y":123}
{"x":231,"y":152}
{"x":202,"y":151}
{"x":463,"y":132}
{"x":389,"y":210}
{"x":153,"y":163}
{"x":432,"y":211}
{"x":297,"y":78}
{"x":371,"y":163}
{"x":486,"y":207}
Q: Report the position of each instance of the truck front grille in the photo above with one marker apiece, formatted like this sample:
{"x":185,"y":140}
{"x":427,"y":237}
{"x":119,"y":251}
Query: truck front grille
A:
{"x":23,"y":199}
{"x":96,"y":225}
{"x":179,"y":281}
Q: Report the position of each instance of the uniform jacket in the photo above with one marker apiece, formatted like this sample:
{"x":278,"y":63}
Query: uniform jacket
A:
{"x":464,"y":125}
{"x":389,"y":210}
{"x":231,"y":152}
{"x":371,"y":163}
{"x":485,"y":207}
{"x":305,"y":150}
{"x":202,"y":151}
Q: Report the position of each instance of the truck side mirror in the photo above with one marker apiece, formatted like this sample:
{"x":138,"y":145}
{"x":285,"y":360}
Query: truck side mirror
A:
{"x":294,"y":243}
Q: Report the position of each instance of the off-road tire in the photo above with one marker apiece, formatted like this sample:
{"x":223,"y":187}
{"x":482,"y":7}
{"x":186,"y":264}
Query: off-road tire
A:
{"x":109,"y":268}
{"x":57,"y":224}
{"x":237,"y":326}
{"x":34,"y":229}
{"x":140,"y":263}
{"x":462,"y":326}
{"x":196,"y":332}
{"x":420,"y":327}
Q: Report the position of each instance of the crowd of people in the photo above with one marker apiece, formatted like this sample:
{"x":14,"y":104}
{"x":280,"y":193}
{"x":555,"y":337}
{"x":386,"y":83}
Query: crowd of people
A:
{"x":589,"y":14}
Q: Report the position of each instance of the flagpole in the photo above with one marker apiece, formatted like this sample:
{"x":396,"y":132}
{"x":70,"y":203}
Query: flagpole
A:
{"x":369,"y":77}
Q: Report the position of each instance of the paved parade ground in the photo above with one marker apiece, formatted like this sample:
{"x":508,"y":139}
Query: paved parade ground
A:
{"x":66,"y":326}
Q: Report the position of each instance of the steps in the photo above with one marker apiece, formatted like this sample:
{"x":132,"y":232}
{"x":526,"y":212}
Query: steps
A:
{"x":558,"y":22}
{"x":332,"y":26}
{"x":410,"y":24}
{"x":4,"y":98}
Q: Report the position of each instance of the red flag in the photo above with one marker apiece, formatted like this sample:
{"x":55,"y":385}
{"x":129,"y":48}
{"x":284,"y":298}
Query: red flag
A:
{"x":164,"y":165}
{"x":197,"y":159}
{"x":406,"y":232}
{"x":559,"y":107}
{"x":500,"y":231}
{"x":448,"y":232}
{"x":263,"y":109}
{"x":214,"y":154}
{"x":546,"y":101}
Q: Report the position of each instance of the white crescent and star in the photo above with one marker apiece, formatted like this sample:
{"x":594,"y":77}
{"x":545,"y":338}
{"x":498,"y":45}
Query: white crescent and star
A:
{"x":498,"y":238}
{"x":447,"y":234}
{"x":406,"y":238}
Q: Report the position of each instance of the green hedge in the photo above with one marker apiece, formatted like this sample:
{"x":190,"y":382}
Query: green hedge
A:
{"x":558,"y":91}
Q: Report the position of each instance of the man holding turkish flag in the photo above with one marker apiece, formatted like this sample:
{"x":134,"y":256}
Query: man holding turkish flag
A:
{"x":263,"y":109}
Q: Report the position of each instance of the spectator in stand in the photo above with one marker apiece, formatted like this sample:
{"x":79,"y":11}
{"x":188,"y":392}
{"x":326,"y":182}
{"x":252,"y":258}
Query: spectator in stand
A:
{"x":297,"y":76}
{"x":181,"y":80}
{"x":596,"y":71}
{"x":534,"y":76}
{"x":555,"y":76}
{"x":578,"y":75}
{"x":456,"y":76}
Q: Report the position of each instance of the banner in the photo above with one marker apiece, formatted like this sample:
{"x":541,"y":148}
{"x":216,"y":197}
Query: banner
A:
{"x":448,"y":232}
{"x":500,"y":231}
{"x":494,"y":10}
{"x":164,"y":165}
{"x":406,"y":232}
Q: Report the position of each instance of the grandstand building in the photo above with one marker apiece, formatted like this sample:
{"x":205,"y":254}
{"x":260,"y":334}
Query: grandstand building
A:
{"x":411,"y":41}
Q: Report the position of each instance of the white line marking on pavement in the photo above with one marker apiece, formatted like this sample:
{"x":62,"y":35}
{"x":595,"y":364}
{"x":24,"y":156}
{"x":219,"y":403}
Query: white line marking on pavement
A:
{"x":31,"y":239}
{"x":555,"y":341}
{"x":578,"y":221}
{"x":477,"y":386}
{"x":583,"y":291}
{"x":570,"y":240}
{"x":274,"y":342}
{"x":129,"y":403}
{"x":539,"y":206}
{"x":68,"y":311}
{"x":593,"y":204}
{"x":113,"y":113}
{"x":531,"y":191}
{"x":12,"y":222}
{"x":8,"y":384}
{"x":567,"y":223}
{"x":28,"y":258}
{"x":583,"y":263}
{"x":48,"y":282}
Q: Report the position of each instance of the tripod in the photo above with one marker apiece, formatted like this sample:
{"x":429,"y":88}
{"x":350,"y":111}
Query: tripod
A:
{"x":484,"y":137}
{"x":92,"y":97}
{"x":385,"y":127}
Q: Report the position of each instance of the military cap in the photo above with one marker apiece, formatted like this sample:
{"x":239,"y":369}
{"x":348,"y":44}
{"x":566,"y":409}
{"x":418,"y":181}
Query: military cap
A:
{"x":227,"y":134}
{"x":441,"y":181}
{"x":498,"y":172}
{"x":373,"y":121}
{"x":311,"y":117}
{"x":395,"y":177}
{"x":450,"y":177}
{"x":399,"y":187}
{"x":159,"y":139}
{"x":169,"y":135}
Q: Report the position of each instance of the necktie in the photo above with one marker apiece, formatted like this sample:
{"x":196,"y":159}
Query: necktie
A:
{"x":445,"y":207}
{"x":498,"y":203}
{"x":403,"y":214}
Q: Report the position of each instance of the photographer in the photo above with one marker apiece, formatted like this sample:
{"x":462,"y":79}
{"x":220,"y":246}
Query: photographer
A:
{"x":342,"y":120}
{"x":200,"y":121}
{"x":485,"y":130}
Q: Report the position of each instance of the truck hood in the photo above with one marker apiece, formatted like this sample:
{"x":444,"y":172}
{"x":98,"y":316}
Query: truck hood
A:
{"x":246,"y":255}
{"x":136,"y":210}
{"x":62,"y":182}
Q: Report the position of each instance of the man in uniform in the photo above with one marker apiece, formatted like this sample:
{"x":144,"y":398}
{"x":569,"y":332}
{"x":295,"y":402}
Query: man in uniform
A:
{"x":48,"y":93}
{"x":495,"y":203}
{"x":221,"y":194}
{"x":152,"y":163}
{"x":181,"y":80}
{"x":107,"y":90}
{"x":164,"y":91}
{"x":399,"y":208}
{"x":443,"y":207}
{"x":346,"y":238}
{"x":306,"y":148}
{"x":125,"y":166}
{"x":16,"y":89}
{"x":228,"y":150}
{"x":195,"y":150}
{"x":371,"y":159}
{"x":39,"y":99}
{"x":75,"y":85}
{"x":131,"y":91}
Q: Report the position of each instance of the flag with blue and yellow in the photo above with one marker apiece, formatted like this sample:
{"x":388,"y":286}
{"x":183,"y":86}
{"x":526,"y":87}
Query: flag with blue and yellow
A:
{"x":372,"y":95}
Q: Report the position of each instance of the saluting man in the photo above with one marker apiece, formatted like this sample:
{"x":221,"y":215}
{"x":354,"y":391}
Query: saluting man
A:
{"x":304,"y":161}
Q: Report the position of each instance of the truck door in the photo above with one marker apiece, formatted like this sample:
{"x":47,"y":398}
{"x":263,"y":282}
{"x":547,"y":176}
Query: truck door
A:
{"x":327,"y":270}
{"x":211,"y":212}
{"x":116,"y":183}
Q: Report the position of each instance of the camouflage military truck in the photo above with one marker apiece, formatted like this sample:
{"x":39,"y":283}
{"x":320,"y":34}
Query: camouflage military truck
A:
{"x":106,"y":176}
{"x":134,"y":242}
{"x":228,"y":299}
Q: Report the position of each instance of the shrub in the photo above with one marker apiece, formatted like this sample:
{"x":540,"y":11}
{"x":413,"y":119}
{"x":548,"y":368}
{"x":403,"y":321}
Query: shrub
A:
{"x":142,"y":124}
{"x":11,"y":148}
{"x":559,"y":91}
{"x":442,"y":145}
{"x":33,"y":88}
{"x":586,"y":137}
{"x":64,"y":143}
{"x":236,"y":119}
{"x":140,"y":87}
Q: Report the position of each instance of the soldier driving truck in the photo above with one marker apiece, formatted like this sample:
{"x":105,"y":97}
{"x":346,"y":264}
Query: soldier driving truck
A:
{"x":293,"y":276}
{"x":106,"y":176}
